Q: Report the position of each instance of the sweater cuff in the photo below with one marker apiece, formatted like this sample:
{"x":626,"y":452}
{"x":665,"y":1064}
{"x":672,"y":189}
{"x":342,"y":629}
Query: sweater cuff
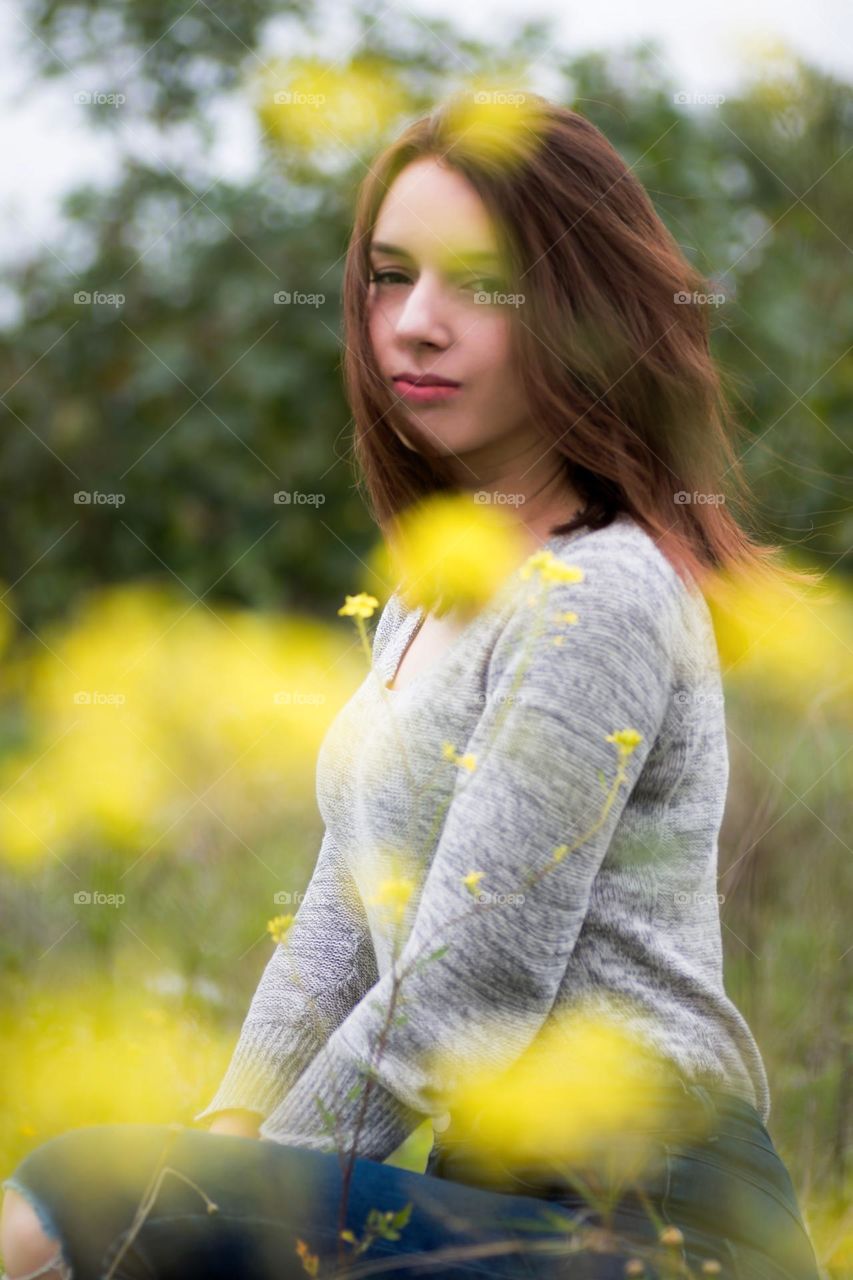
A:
{"x":340,"y":1082}
{"x":261,"y":1068}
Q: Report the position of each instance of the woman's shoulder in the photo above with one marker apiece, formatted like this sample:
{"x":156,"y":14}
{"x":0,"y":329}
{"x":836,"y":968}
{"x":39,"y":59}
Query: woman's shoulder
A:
{"x":627,"y":578}
{"x":612,"y":599}
{"x":620,"y":568}
{"x":622,"y":553}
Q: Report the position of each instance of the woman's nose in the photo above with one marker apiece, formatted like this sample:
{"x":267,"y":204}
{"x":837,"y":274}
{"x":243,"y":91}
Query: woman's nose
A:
{"x":423,"y":316}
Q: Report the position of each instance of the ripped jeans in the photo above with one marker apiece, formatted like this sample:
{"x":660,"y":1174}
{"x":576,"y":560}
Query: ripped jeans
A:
{"x":163,"y":1202}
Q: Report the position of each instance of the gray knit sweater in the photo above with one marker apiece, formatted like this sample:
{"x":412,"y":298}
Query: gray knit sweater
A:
{"x":487,"y":761}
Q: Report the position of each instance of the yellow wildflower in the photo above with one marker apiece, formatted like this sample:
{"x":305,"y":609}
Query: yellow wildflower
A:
{"x":579,"y":1096}
{"x":468,"y":761}
{"x":359,"y":606}
{"x":550,"y":568}
{"x":472,"y":879}
{"x":279,"y":925}
{"x":626,"y":740}
{"x":560,"y":852}
{"x":567,"y":616}
{"x":453,"y":552}
{"x":393,"y":893}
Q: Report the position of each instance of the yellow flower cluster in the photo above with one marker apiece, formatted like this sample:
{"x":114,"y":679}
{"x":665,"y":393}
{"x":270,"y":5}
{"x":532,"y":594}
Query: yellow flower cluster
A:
{"x":393,"y":894}
{"x":279,"y":926}
{"x":451,"y":552}
{"x":626,"y":740}
{"x":579,"y":1095}
{"x":472,"y":879}
{"x":550,"y":568}
{"x":361,"y":605}
{"x":468,"y":761}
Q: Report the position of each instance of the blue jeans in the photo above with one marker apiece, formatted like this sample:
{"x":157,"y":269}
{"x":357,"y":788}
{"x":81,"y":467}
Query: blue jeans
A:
{"x":163,"y":1202}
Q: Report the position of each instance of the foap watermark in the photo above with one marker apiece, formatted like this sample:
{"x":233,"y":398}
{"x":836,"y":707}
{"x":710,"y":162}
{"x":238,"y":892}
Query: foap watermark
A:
{"x":499,"y":97}
{"x":688,"y":99}
{"x":694,"y":897}
{"x":96,"y":298}
{"x":295,"y":497}
{"x":484,"y":298}
{"x":698,"y":698}
{"x":284,"y":298}
{"x":96,"y":698}
{"x":484,"y":497}
{"x":501,"y":699}
{"x":682,"y":298}
{"x":94,"y":498}
{"x":498,"y":899}
{"x":94,"y":898}
{"x":294,"y":98}
{"x":285,"y":897}
{"x":683,"y":498}
{"x":97,"y":98}
{"x":296,"y":698}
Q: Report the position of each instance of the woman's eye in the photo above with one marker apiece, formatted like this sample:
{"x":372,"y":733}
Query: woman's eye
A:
{"x":486,"y":284}
{"x":481,"y":284}
{"x":381,"y":277}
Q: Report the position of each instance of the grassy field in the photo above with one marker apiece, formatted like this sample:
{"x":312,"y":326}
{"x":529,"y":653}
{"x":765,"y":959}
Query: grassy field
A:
{"x":157,"y":782}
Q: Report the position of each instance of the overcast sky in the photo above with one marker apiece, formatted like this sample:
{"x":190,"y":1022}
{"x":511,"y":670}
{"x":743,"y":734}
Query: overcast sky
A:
{"x":47,"y":146}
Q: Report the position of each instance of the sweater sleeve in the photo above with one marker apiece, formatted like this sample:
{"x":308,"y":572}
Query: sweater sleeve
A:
{"x":541,"y":754}
{"x":315,"y":976}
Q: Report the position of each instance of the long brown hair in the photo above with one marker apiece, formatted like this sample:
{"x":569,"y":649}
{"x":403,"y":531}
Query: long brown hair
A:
{"x":614,"y":351}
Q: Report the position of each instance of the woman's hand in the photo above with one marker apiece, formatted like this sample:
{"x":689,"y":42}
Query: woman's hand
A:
{"x":243,"y":1124}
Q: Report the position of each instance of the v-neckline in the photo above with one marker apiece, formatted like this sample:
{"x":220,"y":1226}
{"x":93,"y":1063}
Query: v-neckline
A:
{"x":415,"y":618}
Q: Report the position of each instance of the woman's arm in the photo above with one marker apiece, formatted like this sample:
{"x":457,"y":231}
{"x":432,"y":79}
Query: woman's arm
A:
{"x":537,"y":785}
{"x":324,"y":966}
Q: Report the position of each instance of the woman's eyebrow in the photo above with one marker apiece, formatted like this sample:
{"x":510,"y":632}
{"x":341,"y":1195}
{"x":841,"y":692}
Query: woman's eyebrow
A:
{"x":474,"y":255}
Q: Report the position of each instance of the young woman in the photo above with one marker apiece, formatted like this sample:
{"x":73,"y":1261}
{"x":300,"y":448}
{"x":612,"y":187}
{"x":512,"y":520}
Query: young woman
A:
{"x":519,"y":326}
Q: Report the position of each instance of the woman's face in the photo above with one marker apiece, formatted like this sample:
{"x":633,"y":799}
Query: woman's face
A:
{"x":440,"y":252}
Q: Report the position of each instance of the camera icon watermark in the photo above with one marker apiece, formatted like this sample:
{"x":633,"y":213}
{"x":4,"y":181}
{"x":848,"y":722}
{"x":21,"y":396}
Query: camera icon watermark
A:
{"x":85,"y":98}
{"x":294,"y":98}
{"x":485,"y":497}
{"x":487,"y":898}
{"x":94,"y":497}
{"x":683,"y":498}
{"x":501,"y":699}
{"x":498,"y":97}
{"x":683,"y":298}
{"x":285,"y":298}
{"x":286,"y":897}
{"x":685,"y":99}
{"x":94,"y":898}
{"x":95,"y":698}
{"x":96,"y":298}
{"x":295,"y":497}
{"x":297,"y":698}
{"x":699,"y":698}
{"x":484,"y":298}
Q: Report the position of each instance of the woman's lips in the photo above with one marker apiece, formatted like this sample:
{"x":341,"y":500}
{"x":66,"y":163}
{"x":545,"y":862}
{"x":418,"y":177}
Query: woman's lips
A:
{"x":423,"y":393}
